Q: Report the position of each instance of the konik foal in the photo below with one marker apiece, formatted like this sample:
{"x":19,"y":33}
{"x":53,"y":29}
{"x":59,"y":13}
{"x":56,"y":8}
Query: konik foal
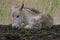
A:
{"x":30,"y":17}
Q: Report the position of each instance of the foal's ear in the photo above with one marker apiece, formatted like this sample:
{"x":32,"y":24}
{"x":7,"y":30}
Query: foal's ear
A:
{"x":22,"y":6}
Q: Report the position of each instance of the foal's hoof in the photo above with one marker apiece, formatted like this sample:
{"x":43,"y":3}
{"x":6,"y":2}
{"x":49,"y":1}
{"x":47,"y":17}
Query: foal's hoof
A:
{"x":27,"y":27}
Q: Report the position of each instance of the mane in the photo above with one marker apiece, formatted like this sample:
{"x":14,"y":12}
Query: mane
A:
{"x":29,"y":8}
{"x":32,"y":9}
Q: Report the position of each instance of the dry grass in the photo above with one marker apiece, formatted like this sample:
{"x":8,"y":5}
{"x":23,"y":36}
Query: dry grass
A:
{"x":50,"y":6}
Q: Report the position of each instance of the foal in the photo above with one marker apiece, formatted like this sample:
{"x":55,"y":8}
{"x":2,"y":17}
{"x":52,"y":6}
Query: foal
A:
{"x":30,"y":17}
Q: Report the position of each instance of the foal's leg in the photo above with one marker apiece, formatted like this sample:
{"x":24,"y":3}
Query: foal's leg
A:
{"x":31,"y":23}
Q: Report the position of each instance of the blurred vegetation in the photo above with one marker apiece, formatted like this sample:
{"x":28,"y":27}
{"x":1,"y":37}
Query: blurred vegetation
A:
{"x":50,"y":6}
{"x":7,"y":33}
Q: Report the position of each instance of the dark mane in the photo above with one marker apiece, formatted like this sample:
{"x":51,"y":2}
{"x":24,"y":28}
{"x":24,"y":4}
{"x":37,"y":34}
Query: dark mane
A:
{"x":32,"y":9}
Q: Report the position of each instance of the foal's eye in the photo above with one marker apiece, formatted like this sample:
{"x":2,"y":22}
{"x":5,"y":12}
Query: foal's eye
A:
{"x":17,"y":16}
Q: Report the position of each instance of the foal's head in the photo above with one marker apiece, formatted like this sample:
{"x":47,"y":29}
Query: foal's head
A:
{"x":17,"y":15}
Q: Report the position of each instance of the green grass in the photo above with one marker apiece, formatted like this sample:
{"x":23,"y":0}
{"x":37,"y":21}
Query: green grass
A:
{"x":50,"y":6}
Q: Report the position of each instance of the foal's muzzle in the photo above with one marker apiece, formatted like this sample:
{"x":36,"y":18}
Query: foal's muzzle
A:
{"x":14,"y":27}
